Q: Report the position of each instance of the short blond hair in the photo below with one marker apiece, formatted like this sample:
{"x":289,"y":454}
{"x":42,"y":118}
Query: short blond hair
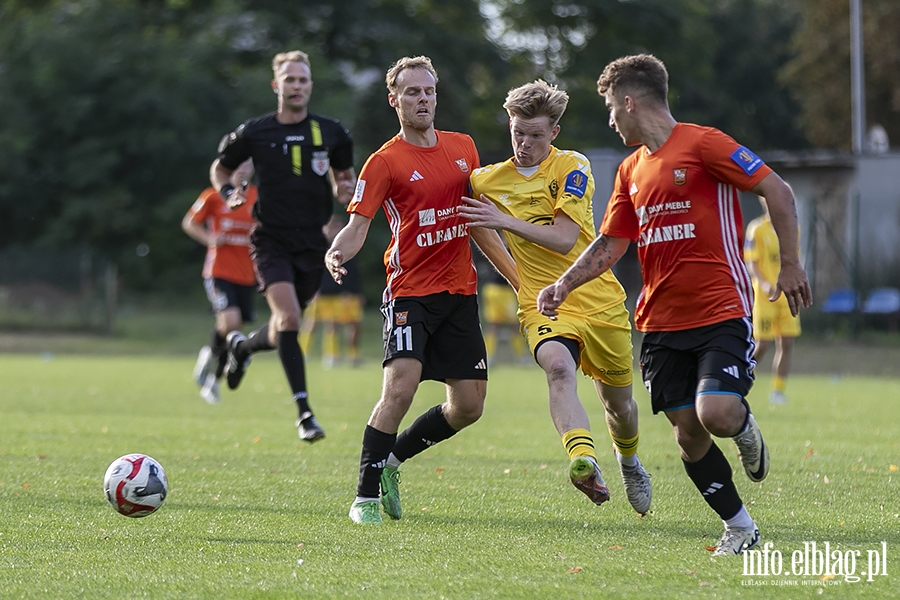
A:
{"x":408,"y":62}
{"x":537,"y":99}
{"x":292,"y":56}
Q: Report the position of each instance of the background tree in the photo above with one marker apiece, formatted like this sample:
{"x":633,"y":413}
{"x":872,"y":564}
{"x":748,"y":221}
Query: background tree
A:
{"x":819,"y":72}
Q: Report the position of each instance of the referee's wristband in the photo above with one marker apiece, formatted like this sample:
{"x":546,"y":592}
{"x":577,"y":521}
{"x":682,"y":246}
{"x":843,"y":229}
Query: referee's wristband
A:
{"x":226,"y":190}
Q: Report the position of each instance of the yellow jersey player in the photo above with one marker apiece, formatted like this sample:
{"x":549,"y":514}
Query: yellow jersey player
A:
{"x":541,"y":199}
{"x":772,"y":321}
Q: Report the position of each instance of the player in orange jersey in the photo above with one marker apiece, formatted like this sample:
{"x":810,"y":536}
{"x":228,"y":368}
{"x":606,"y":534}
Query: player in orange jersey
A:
{"x":677,"y":197}
{"x":227,"y":272}
{"x":431,"y":327}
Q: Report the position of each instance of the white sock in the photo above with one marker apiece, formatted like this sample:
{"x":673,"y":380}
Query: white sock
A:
{"x":362,"y":499}
{"x":628,"y":461}
{"x":392,"y":461}
{"x":741,"y":520}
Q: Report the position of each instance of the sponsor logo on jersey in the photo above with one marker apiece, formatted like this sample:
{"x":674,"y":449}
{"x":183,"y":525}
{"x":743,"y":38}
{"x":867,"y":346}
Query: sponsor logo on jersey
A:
{"x":400,"y":318}
{"x":667,"y":233}
{"x":641,"y":212}
{"x":746,"y":160}
{"x":446,"y":213}
{"x":462,"y":164}
{"x":426,"y":217}
{"x":294,"y":138}
{"x":633,"y":190}
{"x":576,"y":183}
{"x":431,"y":238}
{"x":416,"y":176}
{"x":680,"y":176}
{"x":360,"y":189}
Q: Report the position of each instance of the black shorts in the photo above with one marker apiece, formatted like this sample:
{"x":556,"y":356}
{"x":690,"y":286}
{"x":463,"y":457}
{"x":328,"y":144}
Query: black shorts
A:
{"x":289,"y":255}
{"x":442,"y":331}
{"x":673,"y":363}
{"x":223,"y":294}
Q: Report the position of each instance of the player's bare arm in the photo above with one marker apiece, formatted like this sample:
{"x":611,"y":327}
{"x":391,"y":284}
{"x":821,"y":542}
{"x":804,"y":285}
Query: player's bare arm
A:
{"x":344,"y":184}
{"x":491,"y":245}
{"x":346,"y":245}
{"x":596,"y":259}
{"x":220,"y":177}
{"x":559,"y":236}
{"x":792,"y":280}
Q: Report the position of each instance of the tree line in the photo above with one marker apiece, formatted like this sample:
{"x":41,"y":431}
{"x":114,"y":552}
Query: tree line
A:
{"x":112,"y":109}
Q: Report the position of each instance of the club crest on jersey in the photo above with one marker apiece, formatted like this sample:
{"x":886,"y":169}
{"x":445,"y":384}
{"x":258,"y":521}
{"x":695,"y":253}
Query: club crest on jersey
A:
{"x":320,"y":162}
{"x":400,"y":318}
{"x":680,"y":176}
{"x":462,"y":164}
{"x":554,"y":188}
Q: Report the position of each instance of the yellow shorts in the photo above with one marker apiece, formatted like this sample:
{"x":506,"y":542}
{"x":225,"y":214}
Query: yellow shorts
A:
{"x":343,"y":308}
{"x":772,"y":320}
{"x":604,"y":340}
{"x":499,"y":304}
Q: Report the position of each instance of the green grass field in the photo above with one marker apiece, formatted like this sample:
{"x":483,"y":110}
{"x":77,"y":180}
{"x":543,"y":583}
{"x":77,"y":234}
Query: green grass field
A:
{"x":253,"y":513}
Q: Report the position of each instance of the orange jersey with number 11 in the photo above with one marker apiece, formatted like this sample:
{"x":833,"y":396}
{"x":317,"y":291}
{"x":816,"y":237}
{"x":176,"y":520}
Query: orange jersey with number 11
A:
{"x":420,"y":190}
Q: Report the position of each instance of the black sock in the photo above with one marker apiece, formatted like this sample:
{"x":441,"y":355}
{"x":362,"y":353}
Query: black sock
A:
{"x":217,"y":344}
{"x":376,"y":447}
{"x":294,"y":367}
{"x":258,"y":341}
{"x":712,"y":476}
{"x":429,"y":429}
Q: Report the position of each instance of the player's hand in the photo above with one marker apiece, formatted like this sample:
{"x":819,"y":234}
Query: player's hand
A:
{"x":238,"y":197}
{"x":481,"y":212}
{"x":550,"y":298}
{"x":793,"y":283}
{"x":333,"y":261}
{"x":345,"y":189}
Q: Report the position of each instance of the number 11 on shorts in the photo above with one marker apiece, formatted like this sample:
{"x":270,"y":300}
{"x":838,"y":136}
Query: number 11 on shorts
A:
{"x":403,"y":338}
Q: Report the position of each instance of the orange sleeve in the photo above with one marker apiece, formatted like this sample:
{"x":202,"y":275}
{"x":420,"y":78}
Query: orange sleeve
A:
{"x":372,"y":187}
{"x":731,"y":162}
{"x":202,"y":206}
{"x":620,"y":220}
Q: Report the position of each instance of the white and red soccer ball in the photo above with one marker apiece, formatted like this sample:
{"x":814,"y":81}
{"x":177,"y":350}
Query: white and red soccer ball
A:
{"x":135,"y":485}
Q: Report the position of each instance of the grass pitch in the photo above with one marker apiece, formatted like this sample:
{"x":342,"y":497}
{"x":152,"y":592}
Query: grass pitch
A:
{"x":254,"y":513}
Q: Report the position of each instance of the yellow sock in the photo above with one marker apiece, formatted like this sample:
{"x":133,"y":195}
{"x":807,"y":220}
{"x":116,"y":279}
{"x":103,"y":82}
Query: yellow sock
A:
{"x":778,"y":384}
{"x":578,"y":442}
{"x":303,"y":338}
{"x":329,"y":344}
{"x":517,"y":342}
{"x":490,"y":343}
{"x":626,"y":447}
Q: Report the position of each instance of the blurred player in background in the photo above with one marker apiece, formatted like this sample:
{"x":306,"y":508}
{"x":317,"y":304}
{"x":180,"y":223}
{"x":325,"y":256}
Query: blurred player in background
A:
{"x":303,"y":162}
{"x":431,"y":325}
{"x":677,"y":197}
{"x":772,"y":321}
{"x":541,"y":199}
{"x":338,"y":311}
{"x":499,"y":306}
{"x":228,"y":275}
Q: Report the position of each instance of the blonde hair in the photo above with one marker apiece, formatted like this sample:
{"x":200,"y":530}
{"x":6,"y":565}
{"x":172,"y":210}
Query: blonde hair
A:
{"x":408,"y":62}
{"x":537,"y":99}
{"x":635,"y":75}
{"x":292,"y":56}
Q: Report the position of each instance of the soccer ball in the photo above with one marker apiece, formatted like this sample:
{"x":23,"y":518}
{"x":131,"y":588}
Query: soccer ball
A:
{"x":135,"y":485}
